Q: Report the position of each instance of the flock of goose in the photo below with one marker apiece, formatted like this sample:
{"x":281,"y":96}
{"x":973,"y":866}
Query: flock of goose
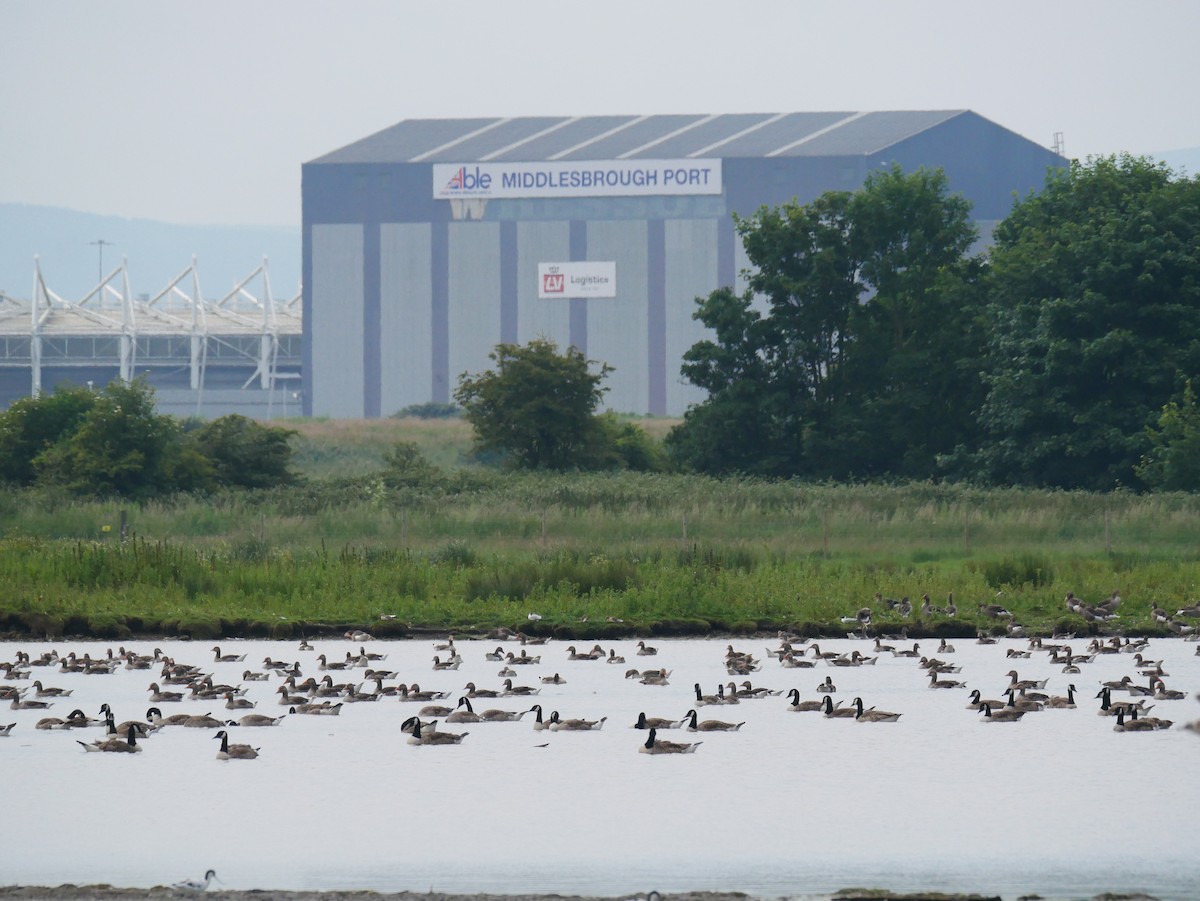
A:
{"x":228,"y":689}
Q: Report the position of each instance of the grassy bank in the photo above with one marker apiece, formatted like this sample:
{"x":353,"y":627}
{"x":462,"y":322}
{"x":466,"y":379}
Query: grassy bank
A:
{"x":597,"y":554}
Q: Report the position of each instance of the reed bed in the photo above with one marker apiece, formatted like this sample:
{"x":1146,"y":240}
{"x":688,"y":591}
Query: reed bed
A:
{"x":592,"y":554}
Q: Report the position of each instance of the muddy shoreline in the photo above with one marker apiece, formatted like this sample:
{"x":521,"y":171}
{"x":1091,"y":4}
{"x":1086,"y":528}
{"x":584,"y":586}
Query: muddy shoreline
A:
{"x":160,"y":893}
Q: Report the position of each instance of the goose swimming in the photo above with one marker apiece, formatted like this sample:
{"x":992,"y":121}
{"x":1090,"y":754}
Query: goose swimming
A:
{"x":693,"y":725}
{"x":234,"y":752}
{"x":655,"y":745}
{"x":871,"y":715}
{"x":798,"y":706}
{"x":655,"y":722}
{"x":574,"y":725}
{"x":433,"y":737}
{"x":126,"y":745}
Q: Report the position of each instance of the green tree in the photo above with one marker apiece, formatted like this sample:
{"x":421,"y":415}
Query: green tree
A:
{"x":1095,"y":323}
{"x":1172,"y":462}
{"x":120,"y":447}
{"x":246,"y":454}
{"x":848,"y":354}
{"x":33,"y":425}
{"x":537,"y":406}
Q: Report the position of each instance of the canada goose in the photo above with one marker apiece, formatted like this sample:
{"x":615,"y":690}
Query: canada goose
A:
{"x":538,"y":724}
{"x":645,"y":650}
{"x":827,"y":686}
{"x":655,"y":745}
{"x":196,"y":885}
{"x":511,"y":690}
{"x":695,"y":725}
{"x":1001,"y":715}
{"x":5,"y":731}
{"x":835,"y":712}
{"x":798,"y":706}
{"x":467,"y":715}
{"x":1022,"y":702}
{"x":258,"y":719}
{"x":1132,"y":725}
{"x":75,"y":719}
{"x":1109,"y":707}
{"x":226,"y":658}
{"x":655,"y":722}
{"x":703,"y":699}
{"x":154,"y":715}
{"x":872,"y":715}
{"x":127,"y":745}
{"x":433,"y":737}
{"x":976,"y":701}
{"x":234,"y":752}
{"x":1058,"y":702}
{"x":574,"y":725}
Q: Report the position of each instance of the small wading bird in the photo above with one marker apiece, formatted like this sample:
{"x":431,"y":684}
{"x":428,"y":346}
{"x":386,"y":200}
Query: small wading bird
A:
{"x":196,"y":885}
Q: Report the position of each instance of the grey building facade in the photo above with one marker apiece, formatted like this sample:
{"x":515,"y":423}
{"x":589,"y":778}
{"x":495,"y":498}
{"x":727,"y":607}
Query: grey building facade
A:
{"x":430,"y":242}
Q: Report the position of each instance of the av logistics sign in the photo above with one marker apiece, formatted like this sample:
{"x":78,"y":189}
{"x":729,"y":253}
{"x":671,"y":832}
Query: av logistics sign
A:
{"x":577,"y":280}
{"x":607,"y":178}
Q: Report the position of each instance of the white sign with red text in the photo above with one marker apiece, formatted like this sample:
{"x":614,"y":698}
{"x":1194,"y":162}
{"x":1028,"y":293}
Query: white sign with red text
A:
{"x":557,"y":280}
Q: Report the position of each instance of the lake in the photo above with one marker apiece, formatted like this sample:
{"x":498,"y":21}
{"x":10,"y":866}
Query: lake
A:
{"x":792,"y":804}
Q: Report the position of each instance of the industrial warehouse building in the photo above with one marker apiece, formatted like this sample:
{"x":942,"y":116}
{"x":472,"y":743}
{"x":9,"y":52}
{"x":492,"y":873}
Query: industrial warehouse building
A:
{"x":427,"y":244}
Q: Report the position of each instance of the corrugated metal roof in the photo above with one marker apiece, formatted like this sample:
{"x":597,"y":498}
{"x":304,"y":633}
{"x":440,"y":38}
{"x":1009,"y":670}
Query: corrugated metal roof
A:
{"x":538,"y":138}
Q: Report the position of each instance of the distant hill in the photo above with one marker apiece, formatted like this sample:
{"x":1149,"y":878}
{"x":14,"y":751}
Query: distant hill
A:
{"x":1186,"y":161}
{"x":156,"y":252}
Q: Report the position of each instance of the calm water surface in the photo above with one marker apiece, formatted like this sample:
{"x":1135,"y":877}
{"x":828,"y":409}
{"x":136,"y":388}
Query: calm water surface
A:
{"x":793,"y":804}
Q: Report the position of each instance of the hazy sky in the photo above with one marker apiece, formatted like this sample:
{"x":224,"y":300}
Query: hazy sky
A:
{"x":203,"y":112}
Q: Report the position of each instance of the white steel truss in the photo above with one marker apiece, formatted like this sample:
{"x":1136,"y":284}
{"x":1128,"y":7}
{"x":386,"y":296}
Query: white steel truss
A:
{"x":247,"y":324}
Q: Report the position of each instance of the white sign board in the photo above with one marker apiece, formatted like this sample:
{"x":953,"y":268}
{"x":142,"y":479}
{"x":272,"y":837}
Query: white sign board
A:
{"x":576,"y":280}
{"x":605,"y":178}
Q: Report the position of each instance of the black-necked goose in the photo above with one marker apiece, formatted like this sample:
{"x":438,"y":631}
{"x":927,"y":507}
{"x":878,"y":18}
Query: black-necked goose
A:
{"x":538,"y":723}
{"x":126,"y":745}
{"x":975,"y":701}
{"x":871,"y":715}
{"x":1058,"y":702}
{"x":703,"y":699}
{"x":694,"y":724}
{"x":1133,"y":724}
{"x":655,"y":745}
{"x":1109,"y":707}
{"x":1022,"y":701}
{"x":556,"y":723}
{"x":422,"y":736}
{"x":836,"y":712}
{"x":655,"y":722}
{"x":234,"y":751}
{"x":1001,"y":714}
{"x":797,"y":706}
{"x":465,"y":715}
